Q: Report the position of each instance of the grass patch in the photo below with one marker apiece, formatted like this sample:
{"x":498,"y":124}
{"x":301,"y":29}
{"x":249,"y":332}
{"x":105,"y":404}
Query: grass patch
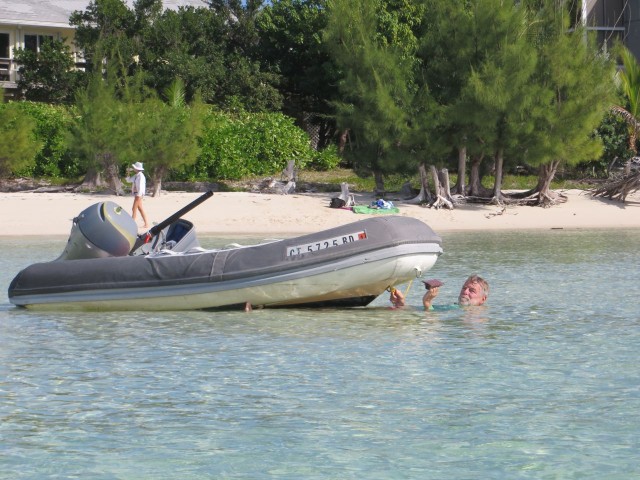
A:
{"x":330,"y":181}
{"x":393,"y":183}
{"x":357,"y":182}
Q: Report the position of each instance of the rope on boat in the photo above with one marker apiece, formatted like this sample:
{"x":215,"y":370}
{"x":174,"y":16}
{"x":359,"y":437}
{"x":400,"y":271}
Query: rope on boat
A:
{"x":406,"y":294}
{"x":392,"y":289}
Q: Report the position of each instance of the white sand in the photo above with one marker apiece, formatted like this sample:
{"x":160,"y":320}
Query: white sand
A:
{"x":245,"y":214}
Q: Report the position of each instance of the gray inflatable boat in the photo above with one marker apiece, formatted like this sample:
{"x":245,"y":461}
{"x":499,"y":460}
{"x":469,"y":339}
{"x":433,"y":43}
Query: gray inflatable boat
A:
{"x":106,"y":266}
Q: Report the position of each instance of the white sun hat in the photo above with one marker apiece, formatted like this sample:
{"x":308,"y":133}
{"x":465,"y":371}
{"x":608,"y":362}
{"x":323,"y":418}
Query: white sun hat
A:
{"x":138,"y":166}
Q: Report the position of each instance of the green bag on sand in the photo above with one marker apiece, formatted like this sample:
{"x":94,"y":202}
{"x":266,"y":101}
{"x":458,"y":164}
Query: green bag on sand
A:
{"x":374,"y":211}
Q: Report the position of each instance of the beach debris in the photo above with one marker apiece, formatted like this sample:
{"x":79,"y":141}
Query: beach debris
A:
{"x":442,"y":196}
{"x":348,"y":198}
{"x":495,"y":214}
{"x":619,"y":187}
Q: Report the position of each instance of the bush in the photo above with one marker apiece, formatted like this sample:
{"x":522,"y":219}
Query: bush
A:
{"x":236,"y":146}
{"x":614,"y":133}
{"x":54,"y":158}
{"x":18,"y":145}
{"x":326,"y":159}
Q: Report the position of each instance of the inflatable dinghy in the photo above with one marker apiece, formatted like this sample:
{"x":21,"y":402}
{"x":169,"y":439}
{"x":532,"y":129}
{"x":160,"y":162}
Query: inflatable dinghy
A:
{"x":107,"y":266}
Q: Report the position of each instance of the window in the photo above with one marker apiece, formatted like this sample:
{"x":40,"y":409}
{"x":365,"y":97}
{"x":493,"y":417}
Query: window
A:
{"x":34,"y":42}
{"x":5,"y":63}
{"x":609,"y":13}
{"x":4,"y":45}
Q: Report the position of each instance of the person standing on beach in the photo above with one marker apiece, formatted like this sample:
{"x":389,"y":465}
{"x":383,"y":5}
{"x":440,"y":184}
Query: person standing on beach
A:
{"x":474,"y":292}
{"x":138,"y":188}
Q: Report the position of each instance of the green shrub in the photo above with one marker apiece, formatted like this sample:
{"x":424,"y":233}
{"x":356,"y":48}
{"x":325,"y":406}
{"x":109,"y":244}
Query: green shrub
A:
{"x":614,"y":133}
{"x":18,"y":144}
{"x":236,"y":146}
{"x":54,"y":158}
{"x":326,"y":159}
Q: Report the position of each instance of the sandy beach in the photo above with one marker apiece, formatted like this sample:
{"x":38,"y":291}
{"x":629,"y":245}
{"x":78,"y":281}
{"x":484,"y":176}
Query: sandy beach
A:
{"x":247,"y":214}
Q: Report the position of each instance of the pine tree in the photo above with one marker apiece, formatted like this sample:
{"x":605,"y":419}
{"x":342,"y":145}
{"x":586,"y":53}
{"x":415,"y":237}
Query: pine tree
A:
{"x":99,"y":134}
{"x":576,"y":91}
{"x":164,"y":134}
{"x":501,"y":94}
{"x":450,"y":47}
{"x":376,"y":79}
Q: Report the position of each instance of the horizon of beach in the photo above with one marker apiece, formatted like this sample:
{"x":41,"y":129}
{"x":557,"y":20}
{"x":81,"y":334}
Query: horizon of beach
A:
{"x":245,"y":213}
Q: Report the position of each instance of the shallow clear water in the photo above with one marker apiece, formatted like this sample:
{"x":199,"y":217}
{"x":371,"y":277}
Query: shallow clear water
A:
{"x":542,"y":382}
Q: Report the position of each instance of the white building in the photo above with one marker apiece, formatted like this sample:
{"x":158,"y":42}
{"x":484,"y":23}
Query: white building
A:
{"x":612,"y":20}
{"x":27,"y":23}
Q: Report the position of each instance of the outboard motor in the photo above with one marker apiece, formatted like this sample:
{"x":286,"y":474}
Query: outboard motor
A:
{"x":102,"y":230}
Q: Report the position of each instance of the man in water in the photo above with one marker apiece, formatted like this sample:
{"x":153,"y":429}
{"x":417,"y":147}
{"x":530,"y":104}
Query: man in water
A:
{"x":474,"y":292}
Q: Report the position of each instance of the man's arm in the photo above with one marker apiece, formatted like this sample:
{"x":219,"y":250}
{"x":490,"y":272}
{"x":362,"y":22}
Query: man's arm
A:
{"x":428,"y":297}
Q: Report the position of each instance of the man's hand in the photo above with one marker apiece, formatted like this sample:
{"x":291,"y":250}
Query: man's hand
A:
{"x":428,"y":297}
{"x":396,"y":298}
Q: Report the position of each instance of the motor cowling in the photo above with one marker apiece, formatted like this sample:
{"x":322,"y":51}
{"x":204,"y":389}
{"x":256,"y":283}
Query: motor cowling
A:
{"x":104,"y":229}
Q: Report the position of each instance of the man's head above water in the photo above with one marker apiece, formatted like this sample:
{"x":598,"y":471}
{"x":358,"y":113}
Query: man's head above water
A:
{"x":474,"y":291}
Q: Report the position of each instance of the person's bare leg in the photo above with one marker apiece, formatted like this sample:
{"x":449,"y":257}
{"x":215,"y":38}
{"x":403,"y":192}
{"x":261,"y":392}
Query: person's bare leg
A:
{"x":144,"y":215}
{"x":137,"y":206}
{"x":134,"y":208}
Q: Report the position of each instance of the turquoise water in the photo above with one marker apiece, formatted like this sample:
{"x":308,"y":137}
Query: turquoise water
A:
{"x":542,"y":382}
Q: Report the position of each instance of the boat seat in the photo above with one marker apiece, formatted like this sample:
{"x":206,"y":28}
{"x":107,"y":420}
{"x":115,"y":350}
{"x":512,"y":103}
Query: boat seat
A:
{"x":176,"y":232}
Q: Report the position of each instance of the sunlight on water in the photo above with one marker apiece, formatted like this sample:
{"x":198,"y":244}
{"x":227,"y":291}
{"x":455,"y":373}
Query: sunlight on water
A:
{"x":542,"y":382}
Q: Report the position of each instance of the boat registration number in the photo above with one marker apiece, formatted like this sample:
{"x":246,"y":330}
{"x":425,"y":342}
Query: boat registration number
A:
{"x":326,"y":243}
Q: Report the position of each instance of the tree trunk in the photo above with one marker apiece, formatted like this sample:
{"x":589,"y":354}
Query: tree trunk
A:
{"x":158,"y":174}
{"x":542,"y":194}
{"x":443,"y":175}
{"x":92,"y":179}
{"x":377,"y":175}
{"x":475,"y":179}
{"x":545,"y":175}
{"x":344,"y":138}
{"x":112,"y":174}
{"x":546,"y":197}
{"x":442,"y":199}
{"x":460,"y":187}
{"x":497,"y":186}
{"x":425,"y":195}
{"x":436,"y":180}
{"x":157,"y":187}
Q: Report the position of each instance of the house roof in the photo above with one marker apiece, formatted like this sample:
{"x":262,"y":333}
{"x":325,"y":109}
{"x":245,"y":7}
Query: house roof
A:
{"x":56,"y":13}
